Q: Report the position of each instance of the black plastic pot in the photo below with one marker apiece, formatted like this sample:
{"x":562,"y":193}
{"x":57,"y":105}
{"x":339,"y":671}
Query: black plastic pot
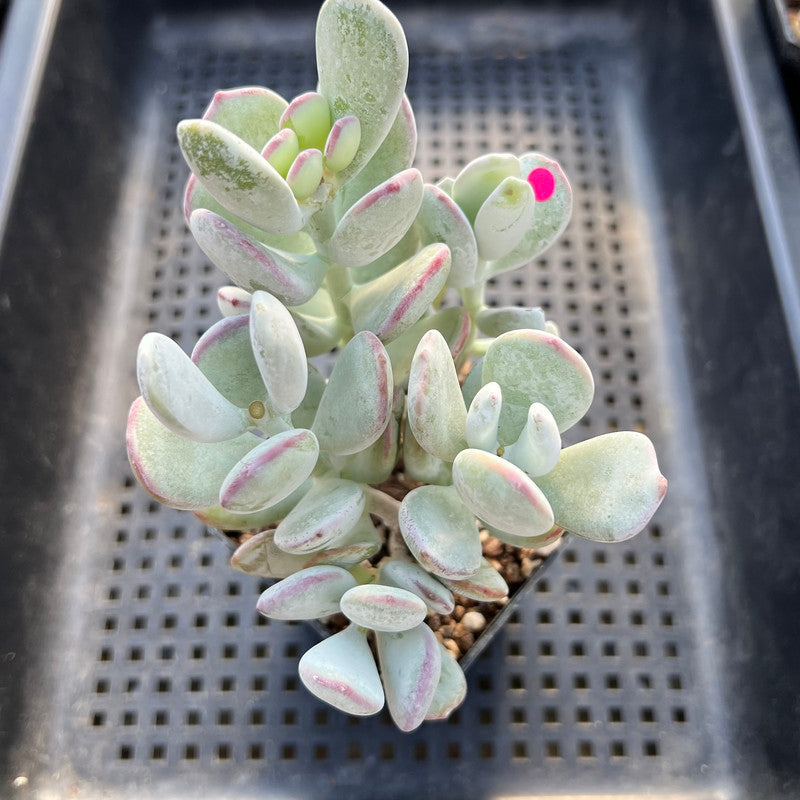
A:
{"x":132,"y":662}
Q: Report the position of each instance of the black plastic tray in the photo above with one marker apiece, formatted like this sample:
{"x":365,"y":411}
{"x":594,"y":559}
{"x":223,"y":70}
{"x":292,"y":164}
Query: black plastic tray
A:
{"x":132,"y":663}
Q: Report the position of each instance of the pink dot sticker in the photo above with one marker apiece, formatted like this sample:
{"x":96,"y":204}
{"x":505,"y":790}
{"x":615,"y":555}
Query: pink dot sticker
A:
{"x":543,"y":183}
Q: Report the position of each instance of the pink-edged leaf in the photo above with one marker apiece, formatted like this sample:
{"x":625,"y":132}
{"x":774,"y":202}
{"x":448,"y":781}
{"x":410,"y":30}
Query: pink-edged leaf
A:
{"x":233,"y":301}
{"x":238,"y":177}
{"x":270,"y":472}
{"x":436,"y":411}
{"x":281,"y":150}
{"x":378,"y":221}
{"x":308,"y":594}
{"x":479,"y":179}
{"x":323,"y":518}
{"x":606,"y":489}
{"x":251,"y":112}
{"x":177,"y":471}
{"x":440,"y":532}
{"x":341,"y":671}
{"x":181,"y":396}
{"x":259,"y":555}
{"x":375,"y":463}
{"x":278,"y":352}
{"x":487,"y":585}
{"x":483,"y":418}
{"x":501,"y":494}
{"x":537,"y":367}
{"x":357,"y":402}
{"x":441,"y":220}
{"x":342,"y":143}
{"x":392,"y":303}
{"x":411,"y":665}
{"x":383,"y":608}
{"x":252,"y":265}
{"x":309,"y":116}
{"x":504,"y":218}
{"x":305,"y":174}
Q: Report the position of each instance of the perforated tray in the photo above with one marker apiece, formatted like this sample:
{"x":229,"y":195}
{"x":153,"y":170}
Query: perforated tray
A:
{"x":158,"y":678}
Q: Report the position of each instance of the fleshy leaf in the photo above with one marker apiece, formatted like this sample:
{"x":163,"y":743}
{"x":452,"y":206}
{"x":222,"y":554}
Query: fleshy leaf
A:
{"x":225,"y":356}
{"x":342,"y":143}
{"x":260,"y":556}
{"x":323,"y":518}
{"x":606,"y":489}
{"x":279,"y":352}
{"x":184,"y":399}
{"x":310,"y":593}
{"x":479,"y":179}
{"x":196,"y":196}
{"x":357,"y":401}
{"x":341,"y":671}
{"x":233,"y":301}
{"x":497,"y":321}
{"x":407,"y":247}
{"x":218,"y":517}
{"x":412,"y":577}
{"x":504,"y":218}
{"x":411,"y":664}
{"x":383,"y":608}
{"x":441,"y":220}
{"x":537,"y":367}
{"x":487,"y":585}
{"x":309,"y":116}
{"x":305,"y":174}
{"x":395,"y":154}
{"x":453,"y":323}
{"x":238,"y":177}
{"x":440,"y":532}
{"x":436,"y":411}
{"x":553,"y":210}
{"x":270,"y":472}
{"x":420,"y":465}
{"x":281,"y":150}
{"x":472,"y":383}
{"x":532,"y":542}
{"x":539,"y":445}
{"x":351,"y":77}
{"x":251,"y":265}
{"x":177,"y":471}
{"x":501,"y":494}
{"x":253,"y":113}
{"x":378,"y":221}
{"x":483,"y":418}
{"x":452,"y":688}
{"x":392,"y":303}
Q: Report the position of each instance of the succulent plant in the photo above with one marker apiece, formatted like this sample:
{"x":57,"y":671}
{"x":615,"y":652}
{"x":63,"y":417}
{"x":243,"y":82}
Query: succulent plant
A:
{"x":334,"y":243}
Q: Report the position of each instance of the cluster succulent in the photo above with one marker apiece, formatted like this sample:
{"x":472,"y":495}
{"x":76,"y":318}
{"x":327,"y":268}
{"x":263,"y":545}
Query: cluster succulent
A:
{"x":338,"y":251}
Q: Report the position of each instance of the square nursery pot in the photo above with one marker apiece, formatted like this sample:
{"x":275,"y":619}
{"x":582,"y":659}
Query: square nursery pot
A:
{"x":132,"y":661}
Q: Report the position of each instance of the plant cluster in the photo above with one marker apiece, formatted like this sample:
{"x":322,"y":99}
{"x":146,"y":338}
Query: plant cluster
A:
{"x":334,"y":242}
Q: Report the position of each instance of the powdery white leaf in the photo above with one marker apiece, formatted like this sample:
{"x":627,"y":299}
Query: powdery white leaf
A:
{"x":496,"y":321}
{"x":539,"y":445}
{"x":323,"y":518}
{"x":342,"y":143}
{"x":420,"y":465}
{"x":378,"y":221}
{"x":440,"y":532}
{"x":308,"y":594}
{"x":383,"y":608}
{"x":483,"y":418}
{"x":181,"y":396}
{"x":278,"y":351}
{"x":607,"y":488}
{"x":412,"y":577}
{"x":309,"y":116}
{"x":352,"y":79}
{"x":436,"y":411}
{"x":451,"y":690}
{"x":357,"y":401}
{"x":341,"y":671}
{"x":537,"y":367}
{"x":487,"y":585}
{"x":270,"y":472}
{"x":233,"y":301}
{"x":411,"y":665}
{"x":501,"y":494}
{"x":504,"y":218}
{"x":238,"y":177}
{"x":253,"y":113}
{"x":252,"y":265}
{"x":473,"y":185}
